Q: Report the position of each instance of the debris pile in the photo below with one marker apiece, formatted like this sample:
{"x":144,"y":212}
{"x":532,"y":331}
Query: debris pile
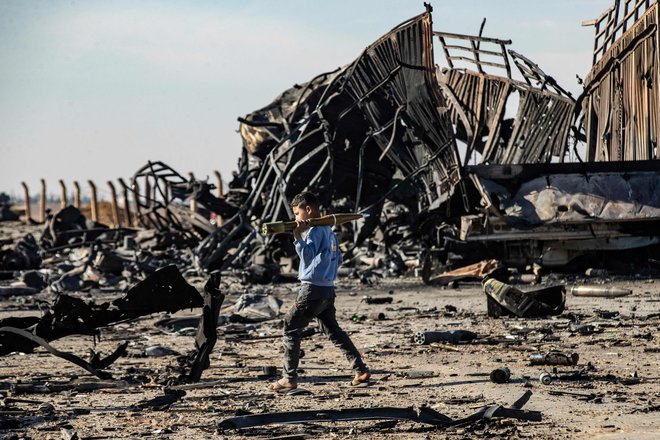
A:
{"x":164,"y":291}
{"x":430,"y":156}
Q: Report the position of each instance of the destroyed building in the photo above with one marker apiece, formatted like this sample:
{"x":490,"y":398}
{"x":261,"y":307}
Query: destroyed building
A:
{"x":455,"y":147}
{"x":419,"y":139}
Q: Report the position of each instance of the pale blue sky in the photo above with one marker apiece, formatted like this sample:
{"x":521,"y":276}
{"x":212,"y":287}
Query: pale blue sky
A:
{"x":94,"y":89}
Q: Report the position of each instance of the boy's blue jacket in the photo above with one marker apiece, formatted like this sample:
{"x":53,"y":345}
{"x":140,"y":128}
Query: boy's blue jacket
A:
{"x":320,"y":256}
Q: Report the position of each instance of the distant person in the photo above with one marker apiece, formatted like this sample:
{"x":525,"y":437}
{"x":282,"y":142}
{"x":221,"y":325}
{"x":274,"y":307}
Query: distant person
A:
{"x":320,"y":257}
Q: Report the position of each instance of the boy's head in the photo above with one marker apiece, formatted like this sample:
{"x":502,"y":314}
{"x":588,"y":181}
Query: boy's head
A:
{"x":305,"y":206}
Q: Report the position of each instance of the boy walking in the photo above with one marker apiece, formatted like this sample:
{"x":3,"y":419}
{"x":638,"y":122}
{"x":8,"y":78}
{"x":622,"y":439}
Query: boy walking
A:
{"x":320,"y":258}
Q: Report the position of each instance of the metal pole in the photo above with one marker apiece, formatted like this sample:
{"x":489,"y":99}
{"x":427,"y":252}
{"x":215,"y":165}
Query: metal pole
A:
{"x":76,"y":194}
{"x":94,"y":207}
{"x":220,"y":191}
{"x":127,"y":205}
{"x":63,"y":201}
{"x":219,"y":179}
{"x":113,"y":200}
{"x":26,"y":194}
{"x":147,"y":193}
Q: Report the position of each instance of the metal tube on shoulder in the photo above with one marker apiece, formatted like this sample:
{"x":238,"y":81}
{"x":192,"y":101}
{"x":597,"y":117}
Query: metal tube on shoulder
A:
{"x":326,"y":220}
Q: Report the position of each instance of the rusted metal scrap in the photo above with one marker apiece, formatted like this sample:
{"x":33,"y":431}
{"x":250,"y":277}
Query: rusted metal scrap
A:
{"x":27,"y":336}
{"x":532,"y":210}
{"x":506,"y":300}
{"x":380,"y":123}
{"x":163,"y":291}
{"x":207,"y":334}
{"x":68,"y":226}
{"x":552,"y":213}
{"x":619,"y":106}
{"x":421,"y":415}
{"x":477,"y":270}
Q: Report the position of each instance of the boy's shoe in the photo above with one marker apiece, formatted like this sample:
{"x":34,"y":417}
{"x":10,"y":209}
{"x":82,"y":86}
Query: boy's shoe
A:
{"x":282,"y":386}
{"x":361,"y":378}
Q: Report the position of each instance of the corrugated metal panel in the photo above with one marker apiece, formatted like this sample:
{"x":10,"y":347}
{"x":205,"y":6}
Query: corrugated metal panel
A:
{"x":622,"y":95}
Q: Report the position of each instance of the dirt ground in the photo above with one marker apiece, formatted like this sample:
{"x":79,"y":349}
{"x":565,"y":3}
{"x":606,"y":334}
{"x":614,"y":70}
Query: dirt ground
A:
{"x":619,"y":401}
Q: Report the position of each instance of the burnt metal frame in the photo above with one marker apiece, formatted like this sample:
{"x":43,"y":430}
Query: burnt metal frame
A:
{"x":475,"y":50}
{"x":151,"y":185}
{"x":532,"y":72}
{"x":544,"y":116}
{"x":614,"y":22}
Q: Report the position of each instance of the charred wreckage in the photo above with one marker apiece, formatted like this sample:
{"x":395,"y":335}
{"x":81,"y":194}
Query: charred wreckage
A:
{"x":444,"y":176}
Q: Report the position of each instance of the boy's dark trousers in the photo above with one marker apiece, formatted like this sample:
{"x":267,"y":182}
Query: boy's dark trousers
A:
{"x":315,"y":302}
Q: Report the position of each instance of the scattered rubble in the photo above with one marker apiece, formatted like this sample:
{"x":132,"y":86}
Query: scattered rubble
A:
{"x":452,"y":336}
{"x":500,"y":375}
{"x":505,"y":300}
{"x":554,"y":358}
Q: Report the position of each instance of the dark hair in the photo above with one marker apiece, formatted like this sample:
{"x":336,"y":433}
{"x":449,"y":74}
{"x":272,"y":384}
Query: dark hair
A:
{"x":305,"y":198}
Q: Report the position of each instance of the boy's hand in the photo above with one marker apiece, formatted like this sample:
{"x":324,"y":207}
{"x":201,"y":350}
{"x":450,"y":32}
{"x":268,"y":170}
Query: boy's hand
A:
{"x":301,"y":226}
